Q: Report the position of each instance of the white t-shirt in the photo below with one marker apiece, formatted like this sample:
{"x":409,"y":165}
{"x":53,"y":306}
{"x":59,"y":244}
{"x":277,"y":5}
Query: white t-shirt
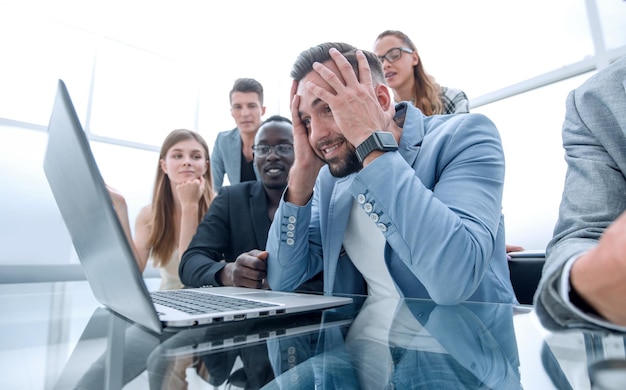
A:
{"x":365,"y":245}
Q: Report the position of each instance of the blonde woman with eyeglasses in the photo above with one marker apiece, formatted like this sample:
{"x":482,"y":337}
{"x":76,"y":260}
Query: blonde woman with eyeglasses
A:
{"x":405,"y":75}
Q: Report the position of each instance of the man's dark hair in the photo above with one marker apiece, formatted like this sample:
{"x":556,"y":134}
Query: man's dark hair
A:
{"x":304,"y":63}
{"x":247,"y":85}
{"x":273,"y":118}
{"x":277,"y":118}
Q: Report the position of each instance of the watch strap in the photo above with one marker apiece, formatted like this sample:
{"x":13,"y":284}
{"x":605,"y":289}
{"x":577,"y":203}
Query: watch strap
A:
{"x":378,"y":140}
{"x":366,"y":147}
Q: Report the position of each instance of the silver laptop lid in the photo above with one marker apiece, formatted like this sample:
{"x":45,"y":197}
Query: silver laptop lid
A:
{"x":88,"y":213}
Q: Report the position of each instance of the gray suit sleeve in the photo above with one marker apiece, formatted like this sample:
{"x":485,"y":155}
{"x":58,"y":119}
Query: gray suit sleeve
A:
{"x":217,"y":164}
{"x":595,"y":187}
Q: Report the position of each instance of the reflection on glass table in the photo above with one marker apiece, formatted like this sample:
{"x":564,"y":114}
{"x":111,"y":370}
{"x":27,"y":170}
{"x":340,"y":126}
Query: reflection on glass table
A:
{"x":412,"y":344}
{"x":56,"y":336}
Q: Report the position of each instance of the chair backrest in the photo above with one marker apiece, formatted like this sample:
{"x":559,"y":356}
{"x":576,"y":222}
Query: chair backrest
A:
{"x":525,"y":268}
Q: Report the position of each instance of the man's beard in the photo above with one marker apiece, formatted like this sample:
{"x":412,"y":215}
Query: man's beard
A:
{"x":342,"y":167}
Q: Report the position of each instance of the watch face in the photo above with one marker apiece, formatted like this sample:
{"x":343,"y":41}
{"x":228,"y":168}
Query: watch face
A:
{"x":386,"y":139}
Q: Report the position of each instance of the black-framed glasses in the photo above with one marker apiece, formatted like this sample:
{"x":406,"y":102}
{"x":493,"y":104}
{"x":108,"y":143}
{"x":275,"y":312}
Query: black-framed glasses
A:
{"x":394,"y":54}
{"x":283,"y":150}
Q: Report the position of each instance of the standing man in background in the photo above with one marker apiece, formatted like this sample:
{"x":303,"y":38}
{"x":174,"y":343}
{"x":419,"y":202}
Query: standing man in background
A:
{"x":232,"y":152}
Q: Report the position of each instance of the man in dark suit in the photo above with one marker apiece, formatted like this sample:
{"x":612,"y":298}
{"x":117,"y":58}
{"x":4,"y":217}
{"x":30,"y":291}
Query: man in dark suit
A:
{"x":235,"y":230}
{"x":235,"y":227}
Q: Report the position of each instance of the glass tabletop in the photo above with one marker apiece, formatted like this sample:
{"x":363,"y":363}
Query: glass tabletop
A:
{"x":57,"y":336}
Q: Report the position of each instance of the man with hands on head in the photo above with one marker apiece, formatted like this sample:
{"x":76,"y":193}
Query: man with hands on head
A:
{"x":235,"y":227}
{"x":383,"y":199}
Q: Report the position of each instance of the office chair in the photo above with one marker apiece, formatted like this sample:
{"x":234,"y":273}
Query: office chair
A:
{"x":525,"y":268}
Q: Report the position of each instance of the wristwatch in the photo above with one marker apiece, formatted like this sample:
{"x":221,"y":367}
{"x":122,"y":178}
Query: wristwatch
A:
{"x":379,"y":140}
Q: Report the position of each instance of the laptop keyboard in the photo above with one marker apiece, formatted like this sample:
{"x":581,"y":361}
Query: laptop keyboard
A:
{"x":194,"y":302}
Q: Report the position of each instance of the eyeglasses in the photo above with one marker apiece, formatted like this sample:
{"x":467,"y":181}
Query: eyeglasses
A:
{"x":394,"y":54}
{"x":283,"y":150}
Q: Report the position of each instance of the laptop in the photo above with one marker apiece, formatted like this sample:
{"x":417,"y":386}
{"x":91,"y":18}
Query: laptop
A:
{"x":106,"y":256}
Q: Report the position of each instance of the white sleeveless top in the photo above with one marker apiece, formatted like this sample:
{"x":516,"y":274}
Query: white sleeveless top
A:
{"x":169,"y":273}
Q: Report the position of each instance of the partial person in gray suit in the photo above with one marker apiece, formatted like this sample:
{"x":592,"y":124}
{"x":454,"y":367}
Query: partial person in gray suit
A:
{"x":232,"y":152}
{"x":583,"y":285}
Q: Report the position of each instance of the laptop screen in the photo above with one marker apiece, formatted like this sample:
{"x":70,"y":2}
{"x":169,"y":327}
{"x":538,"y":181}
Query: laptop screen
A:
{"x":87,"y":210}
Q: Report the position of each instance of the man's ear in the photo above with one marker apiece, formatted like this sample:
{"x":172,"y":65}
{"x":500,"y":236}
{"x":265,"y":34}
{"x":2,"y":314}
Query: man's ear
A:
{"x":384,"y":96}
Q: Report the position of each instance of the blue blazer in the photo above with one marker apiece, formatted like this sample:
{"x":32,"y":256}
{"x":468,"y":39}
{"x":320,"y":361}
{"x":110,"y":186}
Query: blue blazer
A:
{"x":226,"y":158}
{"x":438,"y":202}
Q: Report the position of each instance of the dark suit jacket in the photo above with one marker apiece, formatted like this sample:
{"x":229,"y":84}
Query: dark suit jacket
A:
{"x":236,"y":222}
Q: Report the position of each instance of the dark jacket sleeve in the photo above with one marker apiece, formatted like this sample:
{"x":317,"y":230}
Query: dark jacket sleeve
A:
{"x":236,"y":223}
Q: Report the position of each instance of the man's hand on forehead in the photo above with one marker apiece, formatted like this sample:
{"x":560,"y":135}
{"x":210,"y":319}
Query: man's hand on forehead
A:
{"x":347,"y":75}
{"x":353,"y":102}
{"x":363,"y":76}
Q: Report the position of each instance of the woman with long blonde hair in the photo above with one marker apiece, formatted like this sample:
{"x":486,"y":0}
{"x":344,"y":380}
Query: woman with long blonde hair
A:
{"x":183,"y":192}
